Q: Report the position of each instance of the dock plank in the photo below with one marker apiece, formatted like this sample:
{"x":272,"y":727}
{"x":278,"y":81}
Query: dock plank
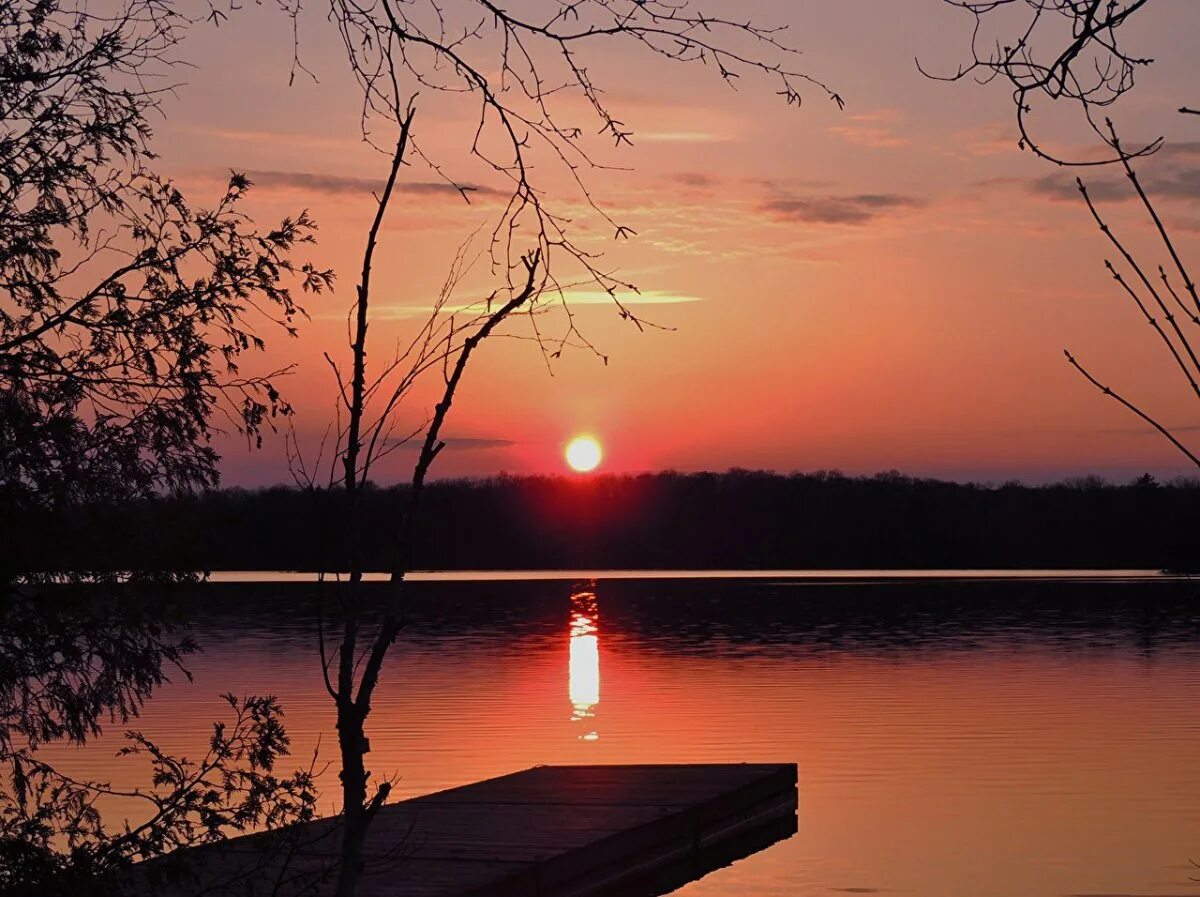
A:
{"x":548,"y":831}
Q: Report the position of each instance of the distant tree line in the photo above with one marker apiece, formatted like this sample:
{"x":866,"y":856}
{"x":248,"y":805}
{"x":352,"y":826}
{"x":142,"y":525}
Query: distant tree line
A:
{"x":737,"y":519}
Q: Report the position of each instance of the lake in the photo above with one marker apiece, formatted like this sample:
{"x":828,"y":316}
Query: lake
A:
{"x":994,"y":735}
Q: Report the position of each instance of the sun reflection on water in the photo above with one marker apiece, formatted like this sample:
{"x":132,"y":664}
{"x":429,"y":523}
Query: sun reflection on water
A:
{"x":583,"y":672}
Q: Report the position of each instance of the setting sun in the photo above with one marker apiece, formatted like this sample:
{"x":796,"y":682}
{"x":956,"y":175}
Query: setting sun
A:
{"x":583,"y":454}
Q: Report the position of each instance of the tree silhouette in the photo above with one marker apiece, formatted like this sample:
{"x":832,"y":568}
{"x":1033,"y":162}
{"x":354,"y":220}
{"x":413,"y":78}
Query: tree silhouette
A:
{"x":1172,"y":300}
{"x":1063,"y":50}
{"x":1071,"y":50}
{"x":73,"y":663}
{"x":123,"y":308}
{"x":124,"y":311}
{"x":519,"y":70}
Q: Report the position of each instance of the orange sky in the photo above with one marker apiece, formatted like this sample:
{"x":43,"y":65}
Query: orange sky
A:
{"x":890,"y":286}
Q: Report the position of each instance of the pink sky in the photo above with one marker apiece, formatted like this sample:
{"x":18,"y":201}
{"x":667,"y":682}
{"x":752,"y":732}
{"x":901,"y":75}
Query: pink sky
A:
{"x":888,"y":286}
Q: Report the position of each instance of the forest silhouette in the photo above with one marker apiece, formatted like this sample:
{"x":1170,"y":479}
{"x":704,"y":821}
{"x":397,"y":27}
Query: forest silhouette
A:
{"x":736,"y":520}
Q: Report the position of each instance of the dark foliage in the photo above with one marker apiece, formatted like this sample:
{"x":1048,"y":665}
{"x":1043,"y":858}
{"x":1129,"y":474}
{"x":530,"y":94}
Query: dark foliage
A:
{"x":72,"y":664}
{"x":123,"y":309}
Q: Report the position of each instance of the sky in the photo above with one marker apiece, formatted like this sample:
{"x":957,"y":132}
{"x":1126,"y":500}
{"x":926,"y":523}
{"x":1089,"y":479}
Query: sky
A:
{"x":886,"y":286}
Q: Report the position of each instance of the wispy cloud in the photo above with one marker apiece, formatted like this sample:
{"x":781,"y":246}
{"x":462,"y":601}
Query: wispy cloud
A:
{"x":275,"y":138}
{"x":986,"y":140}
{"x":1060,"y":188}
{"x":648,"y":297}
{"x":1147,"y":430}
{"x":871,"y":129}
{"x":695,"y":179}
{"x":850,"y":209}
{"x":336,"y":184}
{"x":1171,"y":173}
{"x":460,"y":443}
{"x":680,"y":137}
{"x":573,"y":298}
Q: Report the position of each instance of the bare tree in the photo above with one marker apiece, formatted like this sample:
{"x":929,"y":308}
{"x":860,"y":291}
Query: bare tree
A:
{"x":517,"y":69}
{"x":527,"y":75}
{"x":1063,"y":50}
{"x":1073,"y":50}
{"x":369,"y":403}
{"x":1168,"y":302}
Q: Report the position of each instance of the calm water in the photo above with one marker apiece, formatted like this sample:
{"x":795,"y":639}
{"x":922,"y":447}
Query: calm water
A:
{"x":954,"y":738}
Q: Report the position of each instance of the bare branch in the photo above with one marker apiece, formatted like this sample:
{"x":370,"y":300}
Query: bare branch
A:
{"x":1147,"y":418}
{"x":1059,"y":49}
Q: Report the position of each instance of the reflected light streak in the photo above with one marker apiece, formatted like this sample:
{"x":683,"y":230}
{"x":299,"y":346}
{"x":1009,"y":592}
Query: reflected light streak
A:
{"x":583,"y":670}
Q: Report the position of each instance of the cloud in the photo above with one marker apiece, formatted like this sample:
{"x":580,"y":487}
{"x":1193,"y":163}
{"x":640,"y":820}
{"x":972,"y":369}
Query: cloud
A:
{"x":1147,"y":430}
{"x":871,"y":129}
{"x":987,"y":140}
{"x":1171,"y":173}
{"x":573,"y":297}
{"x":852,"y":209}
{"x":476,"y":443}
{"x":336,"y":184}
{"x":695,"y":179}
{"x":461,"y":443}
{"x":646,"y":297}
{"x":1060,"y":188}
{"x":680,"y":137}
{"x":274,"y":138}
{"x":878,"y":138}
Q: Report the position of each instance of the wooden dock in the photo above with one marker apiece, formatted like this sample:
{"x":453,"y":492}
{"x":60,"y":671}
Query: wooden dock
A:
{"x":549,"y":831}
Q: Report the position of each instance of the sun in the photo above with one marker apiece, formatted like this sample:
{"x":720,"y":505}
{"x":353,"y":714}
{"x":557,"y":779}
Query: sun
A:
{"x":583,"y":454}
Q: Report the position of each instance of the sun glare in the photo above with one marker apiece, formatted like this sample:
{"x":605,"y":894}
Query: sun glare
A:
{"x":583,"y":454}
